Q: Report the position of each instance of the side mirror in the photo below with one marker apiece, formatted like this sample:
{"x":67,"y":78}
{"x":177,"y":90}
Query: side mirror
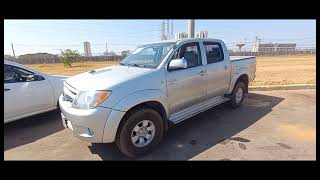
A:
{"x":178,"y":64}
{"x":38,"y":77}
{"x":35,"y":77}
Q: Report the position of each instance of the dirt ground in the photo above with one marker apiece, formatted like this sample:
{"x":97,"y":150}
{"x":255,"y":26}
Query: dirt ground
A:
{"x":270,"y":70}
{"x":270,"y":125}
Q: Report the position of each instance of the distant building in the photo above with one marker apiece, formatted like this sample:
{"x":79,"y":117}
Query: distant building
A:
{"x":181,"y":35}
{"x":270,"y":47}
{"x":202,"y":34}
{"x":87,"y":49}
{"x":285,"y":47}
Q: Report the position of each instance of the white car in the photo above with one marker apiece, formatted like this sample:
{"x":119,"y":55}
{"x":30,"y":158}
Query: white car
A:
{"x":28,"y":92}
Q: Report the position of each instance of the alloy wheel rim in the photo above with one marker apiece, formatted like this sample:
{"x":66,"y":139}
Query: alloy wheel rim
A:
{"x":143,"y":133}
{"x":239,"y":95}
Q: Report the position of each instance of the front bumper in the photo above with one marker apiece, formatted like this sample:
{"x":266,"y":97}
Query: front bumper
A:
{"x":92,"y":125}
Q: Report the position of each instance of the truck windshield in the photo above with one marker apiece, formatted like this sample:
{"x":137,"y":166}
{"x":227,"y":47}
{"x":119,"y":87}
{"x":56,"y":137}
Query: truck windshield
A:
{"x":148,"y":56}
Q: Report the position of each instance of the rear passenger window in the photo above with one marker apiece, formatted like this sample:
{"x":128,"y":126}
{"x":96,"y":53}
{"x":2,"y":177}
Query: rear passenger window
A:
{"x":214,"y":52}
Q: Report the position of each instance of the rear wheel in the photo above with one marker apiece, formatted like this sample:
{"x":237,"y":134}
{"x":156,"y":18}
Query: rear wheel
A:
{"x":140,"y":132}
{"x":237,"y":95}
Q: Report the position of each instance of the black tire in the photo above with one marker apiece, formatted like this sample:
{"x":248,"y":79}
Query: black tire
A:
{"x":123,"y":139}
{"x":233,"y":102}
{"x":58,"y":107}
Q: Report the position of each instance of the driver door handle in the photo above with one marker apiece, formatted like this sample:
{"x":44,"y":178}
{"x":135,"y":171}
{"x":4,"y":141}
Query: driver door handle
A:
{"x":172,"y":81}
{"x":201,"y":73}
{"x":5,"y":89}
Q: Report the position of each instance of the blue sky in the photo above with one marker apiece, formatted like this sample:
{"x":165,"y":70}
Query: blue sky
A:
{"x":31,"y":36}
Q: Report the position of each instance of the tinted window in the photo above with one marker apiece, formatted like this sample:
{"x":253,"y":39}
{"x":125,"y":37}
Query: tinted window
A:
{"x":14,"y":74}
{"x":214,"y":52}
{"x":191,"y":52}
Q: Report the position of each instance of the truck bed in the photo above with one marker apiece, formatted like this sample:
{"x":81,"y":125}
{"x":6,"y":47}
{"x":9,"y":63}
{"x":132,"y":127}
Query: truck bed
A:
{"x":239,"y":58}
{"x":243,"y":64}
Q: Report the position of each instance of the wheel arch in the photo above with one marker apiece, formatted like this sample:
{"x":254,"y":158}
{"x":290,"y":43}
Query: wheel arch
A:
{"x":245,"y":79}
{"x":235,"y":79}
{"x":153,"y":99}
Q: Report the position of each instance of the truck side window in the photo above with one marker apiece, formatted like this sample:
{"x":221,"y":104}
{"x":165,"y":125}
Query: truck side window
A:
{"x":214,"y":52}
{"x":191,"y":52}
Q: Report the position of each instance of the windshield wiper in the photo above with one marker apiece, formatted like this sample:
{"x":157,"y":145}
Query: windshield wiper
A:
{"x":122,"y":64}
{"x":136,"y":65}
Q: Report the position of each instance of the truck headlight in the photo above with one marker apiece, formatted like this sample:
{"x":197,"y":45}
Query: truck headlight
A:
{"x":90,"y":99}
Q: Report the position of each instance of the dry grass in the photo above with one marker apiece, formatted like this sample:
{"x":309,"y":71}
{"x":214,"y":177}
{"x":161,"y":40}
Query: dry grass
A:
{"x":270,"y":70}
{"x":76,"y":68}
{"x":285,"y":70}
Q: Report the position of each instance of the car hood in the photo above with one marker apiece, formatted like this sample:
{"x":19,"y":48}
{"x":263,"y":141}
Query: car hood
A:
{"x":102,"y":79}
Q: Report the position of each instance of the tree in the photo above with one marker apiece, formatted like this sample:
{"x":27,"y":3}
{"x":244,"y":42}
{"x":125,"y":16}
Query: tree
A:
{"x":8,"y":57}
{"x":125,"y":53}
{"x":69,"y":56}
{"x":110,"y":53}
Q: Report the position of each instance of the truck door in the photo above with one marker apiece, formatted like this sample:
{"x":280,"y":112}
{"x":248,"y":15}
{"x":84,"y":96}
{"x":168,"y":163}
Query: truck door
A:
{"x":187,"y":87}
{"x":218,"y":69}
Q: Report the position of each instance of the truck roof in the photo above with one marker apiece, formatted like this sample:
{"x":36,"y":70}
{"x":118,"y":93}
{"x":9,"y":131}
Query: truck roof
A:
{"x":183,"y":40}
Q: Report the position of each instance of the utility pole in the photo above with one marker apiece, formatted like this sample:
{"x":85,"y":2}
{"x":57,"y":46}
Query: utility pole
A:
{"x":245,"y":42}
{"x":191,"y":28}
{"x":14,"y":55}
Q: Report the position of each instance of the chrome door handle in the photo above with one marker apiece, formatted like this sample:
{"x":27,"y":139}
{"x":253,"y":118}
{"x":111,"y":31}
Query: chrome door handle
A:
{"x":201,"y":73}
{"x":226,"y":67}
{"x":172,"y":81}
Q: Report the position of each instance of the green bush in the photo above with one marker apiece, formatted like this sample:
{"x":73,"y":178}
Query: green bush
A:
{"x":69,"y":56}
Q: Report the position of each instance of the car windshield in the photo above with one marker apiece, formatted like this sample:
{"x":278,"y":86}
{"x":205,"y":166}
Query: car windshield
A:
{"x":148,"y":56}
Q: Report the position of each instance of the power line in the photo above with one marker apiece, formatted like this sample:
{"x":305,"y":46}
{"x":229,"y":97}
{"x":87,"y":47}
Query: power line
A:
{"x":56,"y":45}
{"x":87,"y":29}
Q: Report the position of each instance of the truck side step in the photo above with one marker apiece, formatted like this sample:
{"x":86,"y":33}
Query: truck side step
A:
{"x":196,"y":109}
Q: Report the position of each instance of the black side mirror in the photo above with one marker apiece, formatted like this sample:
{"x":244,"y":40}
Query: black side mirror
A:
{"x":37,"y":77}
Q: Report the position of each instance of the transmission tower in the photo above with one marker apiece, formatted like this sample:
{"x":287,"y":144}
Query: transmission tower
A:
{"x":162,"y":29}
{"x":172,"y":29}
{"x":166,"y":32}
{"x":168,"y":29}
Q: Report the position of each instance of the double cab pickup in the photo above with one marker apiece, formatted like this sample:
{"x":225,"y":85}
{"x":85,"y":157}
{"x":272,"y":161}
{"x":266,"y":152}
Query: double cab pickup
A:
{"x":134,"y":102}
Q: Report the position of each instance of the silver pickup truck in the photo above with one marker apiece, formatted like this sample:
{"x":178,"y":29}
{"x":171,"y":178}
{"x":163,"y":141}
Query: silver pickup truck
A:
{"x":134,"y":103}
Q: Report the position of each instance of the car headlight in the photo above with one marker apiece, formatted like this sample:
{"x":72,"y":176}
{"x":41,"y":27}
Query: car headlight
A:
{"x":90,"y":99}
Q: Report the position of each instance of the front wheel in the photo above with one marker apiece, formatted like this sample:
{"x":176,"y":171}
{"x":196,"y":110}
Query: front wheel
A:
{"x":237,"y":95}
{"x":140,"y":132}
